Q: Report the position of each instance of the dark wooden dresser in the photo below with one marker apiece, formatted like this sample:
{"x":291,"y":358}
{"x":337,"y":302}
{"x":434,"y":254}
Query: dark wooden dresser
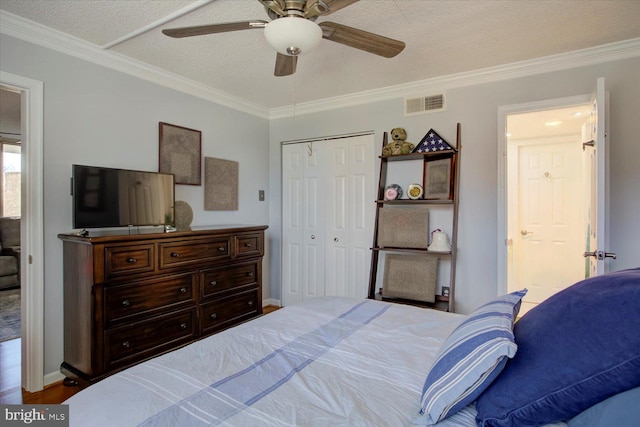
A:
{"x":128,"y":298}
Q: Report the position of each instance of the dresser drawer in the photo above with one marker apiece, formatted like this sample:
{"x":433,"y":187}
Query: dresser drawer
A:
{"x":139,"y":340}
{"x":125,"y":260}
{"x":216,"y":280}
{"x":230,"y":310}
{"x":193,"y":252}
{"x":249,"y":245}
{"x":123,"y":301}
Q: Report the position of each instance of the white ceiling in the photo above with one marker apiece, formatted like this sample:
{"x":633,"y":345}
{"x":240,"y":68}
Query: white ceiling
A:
{"x":547,"y":123}
{"x":442,"y":38}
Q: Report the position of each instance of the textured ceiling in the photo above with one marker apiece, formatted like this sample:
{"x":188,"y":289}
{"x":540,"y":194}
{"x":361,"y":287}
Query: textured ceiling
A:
{"x":442,"y":38}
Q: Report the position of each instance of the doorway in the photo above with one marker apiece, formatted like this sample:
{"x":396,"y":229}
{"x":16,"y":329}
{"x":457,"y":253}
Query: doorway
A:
{"x":10,"y":206}
{"x":546,"y":189}
{"x":544,"y":185}
{"x":31,"y":228}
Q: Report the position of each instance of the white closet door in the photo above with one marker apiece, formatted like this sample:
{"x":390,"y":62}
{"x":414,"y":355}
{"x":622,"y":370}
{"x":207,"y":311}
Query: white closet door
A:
{"x":327,"y":217}
{"x":302,"y":223}
{"x":349,"y":215}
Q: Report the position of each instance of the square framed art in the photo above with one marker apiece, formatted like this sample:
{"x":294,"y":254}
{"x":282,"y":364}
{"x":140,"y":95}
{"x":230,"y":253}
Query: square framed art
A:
{"x":180,"y":153}
{"x":438,"y":180}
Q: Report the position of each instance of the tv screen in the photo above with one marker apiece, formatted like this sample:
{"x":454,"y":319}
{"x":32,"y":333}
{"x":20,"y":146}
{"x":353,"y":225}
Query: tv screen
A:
{"x":106,"y":197}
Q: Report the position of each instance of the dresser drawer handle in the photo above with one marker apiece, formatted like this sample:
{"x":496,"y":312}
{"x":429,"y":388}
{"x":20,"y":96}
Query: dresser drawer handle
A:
{"x":183,"y":290}
{"x":222,"y":249}
{"x":247,"y":245}
{"x":250,"y":303}
{"x":126,"y":344}
{"x":126,"y":303}
{"x":213,"y":283}
{"x":174,"y":255}
{"x":183,"y":325}
{"x":213,"y":316}
{"x":250,"y":274}
{"x":131,"y":260}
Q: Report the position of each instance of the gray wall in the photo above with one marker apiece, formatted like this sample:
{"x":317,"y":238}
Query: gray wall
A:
{"x":96,"y":116}
{"x":476,"y":108}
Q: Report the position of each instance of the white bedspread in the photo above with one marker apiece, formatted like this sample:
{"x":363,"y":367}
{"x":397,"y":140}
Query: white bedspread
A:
{"x":326,"y":362}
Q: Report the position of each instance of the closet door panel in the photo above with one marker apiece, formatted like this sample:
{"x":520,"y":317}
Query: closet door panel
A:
{"x":292,"y":228}
{"x":302,"y":223}
{"x":362,"y":213}
{"x":350,"y":214}
{"x":337,"y":241}
{"x":314,"y":224}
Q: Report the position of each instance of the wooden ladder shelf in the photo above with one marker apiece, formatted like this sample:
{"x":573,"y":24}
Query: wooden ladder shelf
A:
{"x":443,"y":302}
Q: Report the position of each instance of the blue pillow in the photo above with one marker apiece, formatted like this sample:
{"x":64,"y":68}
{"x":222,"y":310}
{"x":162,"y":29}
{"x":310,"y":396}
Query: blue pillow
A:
{"x":470,"y":358}
{"x":621,"y":410}
{"x":575,"y":349}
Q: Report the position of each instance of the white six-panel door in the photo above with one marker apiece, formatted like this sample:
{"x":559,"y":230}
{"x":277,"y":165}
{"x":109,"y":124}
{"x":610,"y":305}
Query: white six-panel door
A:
{"x":349,"y":215}
{"x":548,"y":240}
{"x":327,"y":217}
{"x":302,"y":223}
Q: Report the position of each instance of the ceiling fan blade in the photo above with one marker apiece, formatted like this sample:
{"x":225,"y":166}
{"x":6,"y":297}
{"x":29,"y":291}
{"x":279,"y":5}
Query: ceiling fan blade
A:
{"x":325,"y":7}
{"x":360,"y":39}
{"x":201,"y":30}
{"x":285,"y":65}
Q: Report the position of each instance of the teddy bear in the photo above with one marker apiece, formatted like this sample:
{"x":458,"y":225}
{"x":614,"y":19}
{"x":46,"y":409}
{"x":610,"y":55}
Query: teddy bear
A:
{"x":399,"y":144}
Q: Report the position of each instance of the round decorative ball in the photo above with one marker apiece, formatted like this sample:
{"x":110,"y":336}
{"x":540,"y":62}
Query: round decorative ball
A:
{"x":184,"y":215}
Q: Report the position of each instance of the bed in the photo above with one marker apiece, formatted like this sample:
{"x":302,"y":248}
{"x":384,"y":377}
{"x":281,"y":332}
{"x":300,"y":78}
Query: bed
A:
{"x":339,"y":361}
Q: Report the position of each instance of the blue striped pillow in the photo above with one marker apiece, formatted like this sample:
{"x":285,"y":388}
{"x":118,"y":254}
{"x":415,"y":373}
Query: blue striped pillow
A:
{"x":471,"y":357}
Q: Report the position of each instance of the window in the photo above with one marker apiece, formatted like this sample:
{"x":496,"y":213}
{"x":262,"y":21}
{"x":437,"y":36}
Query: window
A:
{"x":11,"y":170}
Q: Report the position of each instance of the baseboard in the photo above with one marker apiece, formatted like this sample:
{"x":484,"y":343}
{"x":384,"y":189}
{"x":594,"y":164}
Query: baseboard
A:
{"x":53,"y":377}
{"x":271,"y":301}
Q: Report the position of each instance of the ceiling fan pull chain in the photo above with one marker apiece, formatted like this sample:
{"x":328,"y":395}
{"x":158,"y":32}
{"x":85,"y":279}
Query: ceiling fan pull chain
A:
{"x":294,"y":94}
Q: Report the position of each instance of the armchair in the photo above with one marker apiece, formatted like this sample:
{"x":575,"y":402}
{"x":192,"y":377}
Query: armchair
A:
{"x":9,"y":252}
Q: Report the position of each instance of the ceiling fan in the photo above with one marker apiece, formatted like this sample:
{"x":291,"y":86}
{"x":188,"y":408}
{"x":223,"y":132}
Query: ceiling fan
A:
{"x":292,"y":31}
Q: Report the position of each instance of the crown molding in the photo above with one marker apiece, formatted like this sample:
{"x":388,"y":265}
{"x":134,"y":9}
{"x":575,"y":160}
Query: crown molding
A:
{"x":32,"y":32}
{"x":38,"y":34}
{"x":579,"y":58}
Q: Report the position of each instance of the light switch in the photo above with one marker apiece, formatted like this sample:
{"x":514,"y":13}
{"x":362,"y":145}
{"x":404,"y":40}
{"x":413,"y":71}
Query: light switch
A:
{"x":261,"y":195}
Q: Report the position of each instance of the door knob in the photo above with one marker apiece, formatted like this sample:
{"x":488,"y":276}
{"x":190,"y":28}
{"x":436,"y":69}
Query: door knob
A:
{"x":313,"y":236}
{"x":525,"y":232}
{"x":601,"y":255}
{"x":335,"y":239}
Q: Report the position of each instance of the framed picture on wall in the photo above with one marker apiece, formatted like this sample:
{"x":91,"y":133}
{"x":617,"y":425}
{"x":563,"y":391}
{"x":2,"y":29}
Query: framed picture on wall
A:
{"x":437,"y":179}
{"x":180,"y":153}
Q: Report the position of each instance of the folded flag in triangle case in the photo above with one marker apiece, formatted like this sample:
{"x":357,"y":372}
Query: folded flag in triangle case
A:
{"x":432,"y":142}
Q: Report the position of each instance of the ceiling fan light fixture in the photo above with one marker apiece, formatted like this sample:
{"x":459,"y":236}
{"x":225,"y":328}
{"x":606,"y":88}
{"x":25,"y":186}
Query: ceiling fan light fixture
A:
{"x":293,"y":35}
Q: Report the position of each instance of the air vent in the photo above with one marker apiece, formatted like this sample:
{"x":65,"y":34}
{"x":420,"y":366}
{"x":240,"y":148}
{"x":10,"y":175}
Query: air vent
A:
{"x":425,"y":104}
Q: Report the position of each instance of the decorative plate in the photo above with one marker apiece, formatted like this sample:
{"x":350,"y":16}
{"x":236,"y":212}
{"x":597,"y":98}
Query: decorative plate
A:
{"x":415,"y":191}
{"x":393,"y":192}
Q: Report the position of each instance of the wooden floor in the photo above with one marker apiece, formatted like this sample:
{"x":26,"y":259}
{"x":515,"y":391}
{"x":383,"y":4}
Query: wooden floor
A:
{"x":11,"y":392}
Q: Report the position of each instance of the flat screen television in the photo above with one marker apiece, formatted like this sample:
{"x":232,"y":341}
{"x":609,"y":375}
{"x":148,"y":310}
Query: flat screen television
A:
{"x":106,"y":197}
